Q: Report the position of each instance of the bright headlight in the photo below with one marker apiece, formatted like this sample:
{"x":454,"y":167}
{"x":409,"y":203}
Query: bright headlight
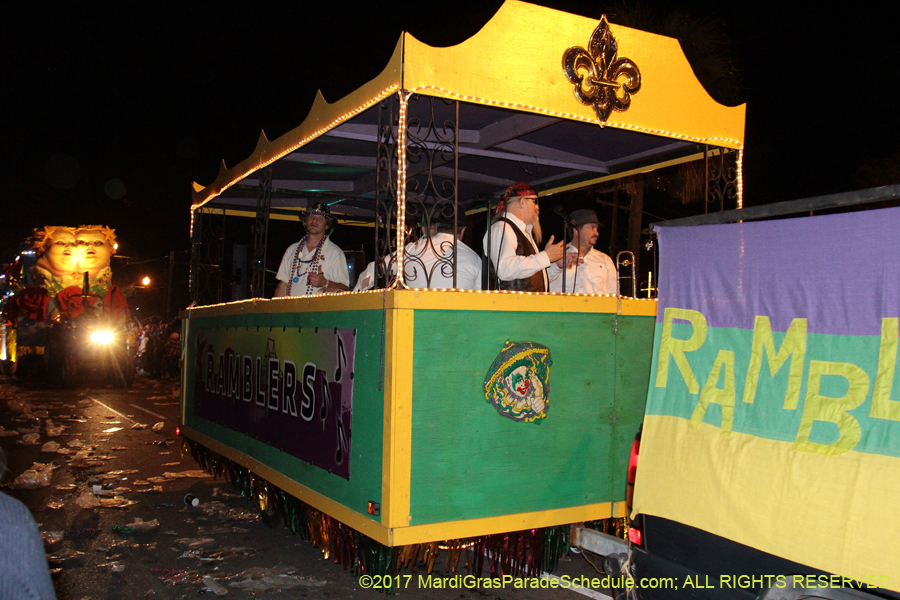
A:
{"x":102,"y":337}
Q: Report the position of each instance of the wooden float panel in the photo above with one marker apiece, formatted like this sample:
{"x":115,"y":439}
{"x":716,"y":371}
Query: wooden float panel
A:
{"x":440,"y":460}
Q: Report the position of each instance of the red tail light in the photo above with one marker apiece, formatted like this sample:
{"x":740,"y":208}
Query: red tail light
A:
{"x":633,"y":459}
{"x":634,"y":536}
{"x":634,"y":526}
{"x":178,"y":432}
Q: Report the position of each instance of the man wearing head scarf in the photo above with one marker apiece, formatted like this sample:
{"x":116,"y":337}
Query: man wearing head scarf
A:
{"x":595,"y":272}
{"x":314,"y":265}
{"x":512,"y":243}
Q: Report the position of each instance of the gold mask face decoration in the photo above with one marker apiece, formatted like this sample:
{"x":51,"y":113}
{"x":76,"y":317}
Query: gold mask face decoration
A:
{"x":94,"y":249}
{"x":60,"y":254}
{"x":70,"y":251}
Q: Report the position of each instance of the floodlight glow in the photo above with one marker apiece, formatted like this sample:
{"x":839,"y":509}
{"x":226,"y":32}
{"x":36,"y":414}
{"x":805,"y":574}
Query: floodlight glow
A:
{"x":145,"y":281}
{"x":103,"y":337}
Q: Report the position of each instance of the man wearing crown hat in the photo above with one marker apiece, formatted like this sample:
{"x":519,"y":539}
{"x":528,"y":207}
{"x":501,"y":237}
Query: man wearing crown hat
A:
{"x":595,"y":272}
{"x":314,"y":265}
{"x":512,"y":243}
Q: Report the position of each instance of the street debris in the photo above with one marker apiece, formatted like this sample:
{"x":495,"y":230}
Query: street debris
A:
{"x":194,"y":473}
{"x":214,"y":586}
{"x":158,"y":426}
{"x":195,"y":543}
{"x":64,"y":557}
{"x":119,"y":473}
{"x":218,"y":493}
{"x":87,"y":500}
{"x":52,"y":538}
{"x":141,"y":526}
{"x":277,"y":578}
{"x":83,"y":532}
{"x":117,"y":502}
{"x":37,"y":476}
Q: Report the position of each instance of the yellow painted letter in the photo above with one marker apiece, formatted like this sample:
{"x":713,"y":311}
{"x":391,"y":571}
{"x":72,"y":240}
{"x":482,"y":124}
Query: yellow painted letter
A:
{"x":723,"y":396}
{"x":834,"y":410}
{"x":669,"y":345}
{"x":882,"y":405}
{"x":794,"y":343}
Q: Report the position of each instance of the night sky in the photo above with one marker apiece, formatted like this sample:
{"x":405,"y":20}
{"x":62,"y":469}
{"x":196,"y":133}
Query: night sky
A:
{"x":109,"y":113}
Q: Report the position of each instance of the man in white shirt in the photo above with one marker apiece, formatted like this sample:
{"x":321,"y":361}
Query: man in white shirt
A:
{"x":595,"y":272}
{"x":428,"y":262}
{"x":313,"y":265}
{"x":512,"y":243}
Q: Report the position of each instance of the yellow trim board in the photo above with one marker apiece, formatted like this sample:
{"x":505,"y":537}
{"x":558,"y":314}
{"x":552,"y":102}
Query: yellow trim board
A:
{"x":343,"y":301}
{"x":397,"y":444}
{"x":451,"y":530}
{"x":417,"y":534}
{"x":435,"y":300}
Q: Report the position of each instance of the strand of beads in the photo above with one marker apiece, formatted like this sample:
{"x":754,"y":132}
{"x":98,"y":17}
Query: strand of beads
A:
{"x":295,"y":277}
{"x":313,"y":264}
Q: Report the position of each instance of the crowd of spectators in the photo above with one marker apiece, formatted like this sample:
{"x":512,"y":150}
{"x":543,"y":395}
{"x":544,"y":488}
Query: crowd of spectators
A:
{"x":158,"y":349}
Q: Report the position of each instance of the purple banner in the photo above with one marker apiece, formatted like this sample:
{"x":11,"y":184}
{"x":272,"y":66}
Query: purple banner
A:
{"x":786,"y":269}
{"x":292,"y":390}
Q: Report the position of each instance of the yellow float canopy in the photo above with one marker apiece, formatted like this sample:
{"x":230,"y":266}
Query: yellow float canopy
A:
{"x":517,"y":106}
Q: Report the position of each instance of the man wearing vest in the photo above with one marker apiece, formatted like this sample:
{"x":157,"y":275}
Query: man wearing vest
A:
{"x":512,"y":243}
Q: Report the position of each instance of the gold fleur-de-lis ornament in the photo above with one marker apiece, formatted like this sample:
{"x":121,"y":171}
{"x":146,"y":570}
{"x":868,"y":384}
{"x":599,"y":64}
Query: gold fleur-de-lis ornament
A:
{"x":601,"y":79}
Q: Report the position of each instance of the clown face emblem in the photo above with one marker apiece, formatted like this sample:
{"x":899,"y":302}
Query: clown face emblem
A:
{"x":518,"y":382}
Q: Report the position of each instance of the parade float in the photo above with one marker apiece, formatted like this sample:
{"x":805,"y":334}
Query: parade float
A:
{"x":392,"y":423}
{"x":62,"y":314}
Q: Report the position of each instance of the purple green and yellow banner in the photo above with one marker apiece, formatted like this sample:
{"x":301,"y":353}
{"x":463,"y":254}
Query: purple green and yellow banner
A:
{"x":291,"y":389}
{"x":773,"y":414}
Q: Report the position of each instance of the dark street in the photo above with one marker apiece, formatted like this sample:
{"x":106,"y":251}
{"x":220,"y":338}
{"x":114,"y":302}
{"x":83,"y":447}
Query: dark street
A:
{"x":142,"y":540}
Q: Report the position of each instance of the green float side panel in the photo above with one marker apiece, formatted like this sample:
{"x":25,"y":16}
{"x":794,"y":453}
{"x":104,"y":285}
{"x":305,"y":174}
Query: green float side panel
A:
{"x":468,"y":461}
{"x":366,"y":435}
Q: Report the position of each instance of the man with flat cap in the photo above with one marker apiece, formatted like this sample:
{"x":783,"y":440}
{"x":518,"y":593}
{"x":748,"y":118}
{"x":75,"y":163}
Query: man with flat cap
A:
{"x":595,"y":272}
{"x":512,"y":243}
{"x":314,"y":265}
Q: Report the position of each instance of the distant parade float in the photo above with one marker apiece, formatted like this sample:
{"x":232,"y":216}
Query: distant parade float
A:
{"x":59,"y":291}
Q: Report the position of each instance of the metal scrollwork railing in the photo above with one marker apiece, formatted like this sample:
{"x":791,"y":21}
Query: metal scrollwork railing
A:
{"x":261,"y":233}
{"x":386,"y":192}
{"x":721,"y":177}
{"x":431,"y":191}
{"x":207,"y":233}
